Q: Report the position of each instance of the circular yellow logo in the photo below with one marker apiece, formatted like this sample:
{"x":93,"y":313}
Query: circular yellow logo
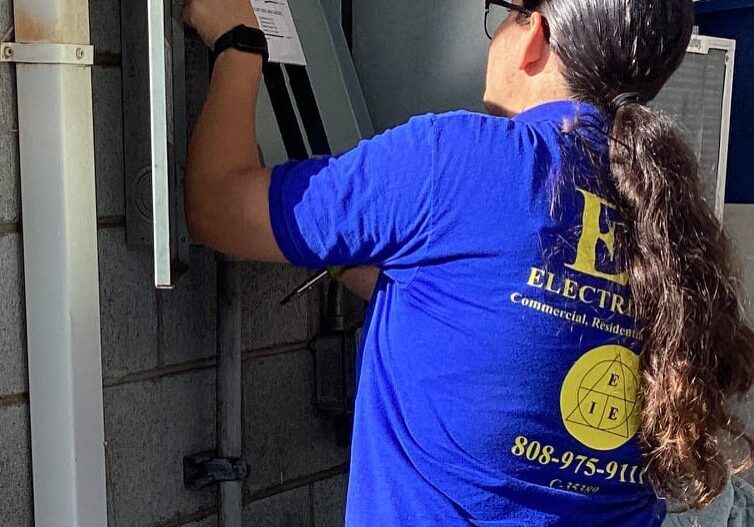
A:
{"x":599,"y":401}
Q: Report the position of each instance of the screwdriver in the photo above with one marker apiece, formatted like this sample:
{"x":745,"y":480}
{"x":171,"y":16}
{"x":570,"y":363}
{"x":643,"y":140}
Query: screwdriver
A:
{"x":335,"y":272}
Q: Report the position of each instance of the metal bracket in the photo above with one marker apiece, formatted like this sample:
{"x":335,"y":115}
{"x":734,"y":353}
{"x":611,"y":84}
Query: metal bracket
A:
{"x":202,"y":470}
{"x":44,"y":53}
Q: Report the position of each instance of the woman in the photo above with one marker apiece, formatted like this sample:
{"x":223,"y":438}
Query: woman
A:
{"x":509,"y":374}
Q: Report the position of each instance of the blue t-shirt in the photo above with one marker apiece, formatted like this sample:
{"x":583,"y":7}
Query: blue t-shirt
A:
{"x":499,"y":369}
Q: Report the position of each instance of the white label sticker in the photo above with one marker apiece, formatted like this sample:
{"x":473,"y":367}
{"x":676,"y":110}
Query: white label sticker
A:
{"x":276,"y":21}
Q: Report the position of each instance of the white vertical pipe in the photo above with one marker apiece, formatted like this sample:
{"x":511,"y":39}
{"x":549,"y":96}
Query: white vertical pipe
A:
{"x":61,"y":271}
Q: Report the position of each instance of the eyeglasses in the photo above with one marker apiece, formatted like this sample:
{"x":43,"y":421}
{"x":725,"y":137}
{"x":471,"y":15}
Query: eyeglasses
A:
{"x":509,"y":6}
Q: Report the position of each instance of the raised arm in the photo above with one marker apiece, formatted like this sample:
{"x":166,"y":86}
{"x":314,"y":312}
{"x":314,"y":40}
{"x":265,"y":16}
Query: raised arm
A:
{"x":369,"y":206}
{"x":227,"y":204}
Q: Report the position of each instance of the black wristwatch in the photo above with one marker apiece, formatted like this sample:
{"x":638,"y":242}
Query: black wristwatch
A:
{"x":243,"y":38}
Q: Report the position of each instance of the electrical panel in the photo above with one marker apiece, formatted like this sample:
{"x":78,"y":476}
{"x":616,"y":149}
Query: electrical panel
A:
{"x":310,"y":104}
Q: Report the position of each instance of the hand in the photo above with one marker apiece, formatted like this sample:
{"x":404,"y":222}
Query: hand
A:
{"x":213,"y":18}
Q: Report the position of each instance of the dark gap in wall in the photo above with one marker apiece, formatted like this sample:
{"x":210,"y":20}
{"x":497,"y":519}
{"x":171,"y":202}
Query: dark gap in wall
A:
{"x":312,"y":510}
{"x":200,"y":364}
{"x":107,"y":59}
{"x":346,"y":20}
{"x":157,"y":373}
{"x":30,"y":475}
{"x":160,"y":305}
{"x":6,"y":229}
{"x":282,"y":106}
{"x":110,"y":479}
{"x":308,"y":109}
{"x":274,"y":350}
{"x":18,"y":399}
{"x":111,"y":222}
{"x":294,"y":484}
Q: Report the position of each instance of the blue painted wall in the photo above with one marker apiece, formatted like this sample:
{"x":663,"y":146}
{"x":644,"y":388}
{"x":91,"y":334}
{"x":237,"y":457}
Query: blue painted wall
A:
{"x":734,"y":19}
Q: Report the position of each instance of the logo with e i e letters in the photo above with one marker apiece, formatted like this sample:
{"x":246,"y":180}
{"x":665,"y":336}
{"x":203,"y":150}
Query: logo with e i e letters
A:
{"x":599,"y":400}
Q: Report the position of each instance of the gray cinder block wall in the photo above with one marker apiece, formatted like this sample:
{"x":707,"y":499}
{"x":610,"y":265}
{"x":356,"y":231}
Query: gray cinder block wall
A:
{"x":15,"y":458}
{"x":158,"y":355}
{"x":159,"y":370}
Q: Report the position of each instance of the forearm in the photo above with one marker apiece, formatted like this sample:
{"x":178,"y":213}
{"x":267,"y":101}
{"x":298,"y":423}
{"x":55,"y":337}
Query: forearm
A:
{"x":225,"y":188}
{"x":224,"y":140}
{"x":227,"y":207}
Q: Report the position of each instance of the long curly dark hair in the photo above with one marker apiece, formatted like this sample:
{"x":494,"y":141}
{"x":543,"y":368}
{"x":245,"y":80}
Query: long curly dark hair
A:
{"x":698,"y":353}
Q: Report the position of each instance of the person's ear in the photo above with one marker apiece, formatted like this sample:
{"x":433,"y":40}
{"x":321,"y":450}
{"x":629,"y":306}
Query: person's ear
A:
{"x":535,"y":42}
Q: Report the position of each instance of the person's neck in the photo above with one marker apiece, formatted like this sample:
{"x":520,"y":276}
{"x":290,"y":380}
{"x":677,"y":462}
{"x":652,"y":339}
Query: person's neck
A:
{"x":542,"y":93}
{"x":531,"y":95}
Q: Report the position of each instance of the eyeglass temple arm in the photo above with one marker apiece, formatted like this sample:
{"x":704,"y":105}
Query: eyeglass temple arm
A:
{"x":509,"y":5}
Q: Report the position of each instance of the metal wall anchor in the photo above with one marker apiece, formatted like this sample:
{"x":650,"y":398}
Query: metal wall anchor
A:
{"x":203,"y":470}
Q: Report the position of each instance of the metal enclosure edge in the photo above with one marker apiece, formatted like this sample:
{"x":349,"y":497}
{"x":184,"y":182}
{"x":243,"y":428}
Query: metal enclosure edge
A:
{"x":155,"y":134}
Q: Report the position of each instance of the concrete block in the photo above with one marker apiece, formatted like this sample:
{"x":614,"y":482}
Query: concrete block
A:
{"x":265,"y":322}
{"x":104,"y":21}
{"x":206,"y":522}
{"x":188,"y":312}
{"x":330,"y":501}
{"x":107,"y":100}
{"x":149,"y":428}
{"x":10,"y":189}
{"x":16,"y":506}
{"x":127,"y":306}
{"x":284,"y":437}
{"x":290,"y":509}
{"x":13,"y":365}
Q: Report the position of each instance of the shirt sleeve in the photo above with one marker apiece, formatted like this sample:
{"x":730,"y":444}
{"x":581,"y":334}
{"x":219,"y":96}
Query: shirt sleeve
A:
{"x":369,"y":206}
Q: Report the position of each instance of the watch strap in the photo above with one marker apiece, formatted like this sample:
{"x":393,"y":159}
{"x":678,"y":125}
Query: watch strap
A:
{"x":243,"y":38}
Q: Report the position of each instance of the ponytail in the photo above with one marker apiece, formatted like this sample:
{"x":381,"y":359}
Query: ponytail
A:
{"x":698,"y":354}
{"x":697,"y":351}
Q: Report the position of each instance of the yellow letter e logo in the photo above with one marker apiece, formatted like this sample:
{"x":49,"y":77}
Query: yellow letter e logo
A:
{"x":586,"y":253}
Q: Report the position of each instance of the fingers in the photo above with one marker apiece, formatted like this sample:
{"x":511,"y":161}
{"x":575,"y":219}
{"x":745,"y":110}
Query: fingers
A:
{"x":212,"y":18}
